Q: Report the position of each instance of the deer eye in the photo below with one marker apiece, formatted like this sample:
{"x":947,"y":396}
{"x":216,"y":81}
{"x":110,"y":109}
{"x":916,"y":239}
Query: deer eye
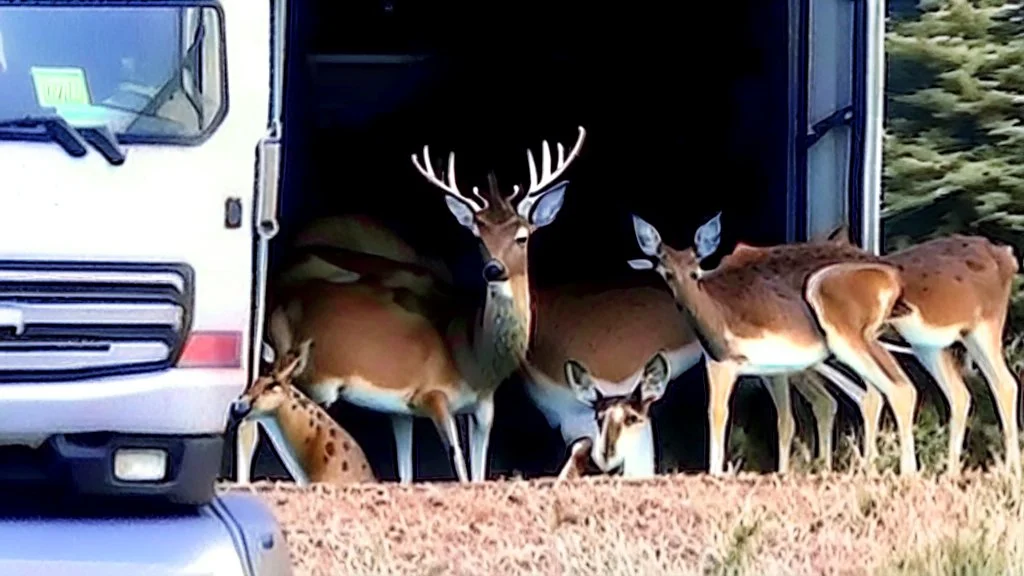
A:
{"x":631,"y":419}
{"x":522,"y":235}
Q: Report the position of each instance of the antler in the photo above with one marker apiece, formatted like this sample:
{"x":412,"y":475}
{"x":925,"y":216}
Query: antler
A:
{"x":548,"y":176}
{"x":538,"y":185}
{"x":478,"y":204}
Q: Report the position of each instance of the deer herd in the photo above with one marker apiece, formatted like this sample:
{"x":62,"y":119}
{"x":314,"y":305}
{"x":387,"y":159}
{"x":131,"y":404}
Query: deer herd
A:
{"x":359,"y":315}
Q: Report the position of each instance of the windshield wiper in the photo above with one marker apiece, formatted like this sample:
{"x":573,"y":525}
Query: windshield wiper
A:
{"x":104,"y":141}
{"x":74,"y":141}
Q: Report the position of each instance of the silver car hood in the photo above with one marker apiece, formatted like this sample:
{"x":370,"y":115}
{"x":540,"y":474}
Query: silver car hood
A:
{"x":235,"y":535}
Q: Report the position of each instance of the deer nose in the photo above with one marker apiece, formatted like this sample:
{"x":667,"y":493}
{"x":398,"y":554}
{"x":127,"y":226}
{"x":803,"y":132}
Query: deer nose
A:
{"x":495,"y":271}
{"x":240,"y":408}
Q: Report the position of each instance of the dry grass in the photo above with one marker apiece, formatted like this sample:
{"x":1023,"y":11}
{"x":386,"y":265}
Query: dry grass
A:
{"x":844,"y":523}
{"x":746,"y":524}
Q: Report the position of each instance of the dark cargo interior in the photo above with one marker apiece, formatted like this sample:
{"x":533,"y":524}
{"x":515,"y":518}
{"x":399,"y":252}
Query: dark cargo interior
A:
{"x":682,"y":123}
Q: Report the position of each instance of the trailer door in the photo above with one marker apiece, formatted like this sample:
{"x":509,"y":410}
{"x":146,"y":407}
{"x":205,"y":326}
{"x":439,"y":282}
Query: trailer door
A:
{"x":838,"y":152}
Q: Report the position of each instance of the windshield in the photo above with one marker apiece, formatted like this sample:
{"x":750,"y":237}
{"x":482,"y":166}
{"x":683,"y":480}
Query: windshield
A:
{"x":148,"y":74}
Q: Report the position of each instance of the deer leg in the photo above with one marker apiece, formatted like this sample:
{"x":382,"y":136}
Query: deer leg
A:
{"x":985,"y":347}
{"x":869,"y":401}
{"x":435,"y":404}
{"x":721,"y":381}
{"x":824,"y":407}
{"x":402,"y":425}
{"x":851,"y":302}
{"x":939,"y":363}
{"x":576,"y":464}
{"x":867,"y":358}
{"x":871,"y":413}
{"x":479,"y":437}
{"x":778,"y":387}
{"x":246,"y":439}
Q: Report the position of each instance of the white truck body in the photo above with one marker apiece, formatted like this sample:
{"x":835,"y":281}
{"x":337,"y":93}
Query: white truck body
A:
{"x":126,"y":289}
{"x":163,"y":205}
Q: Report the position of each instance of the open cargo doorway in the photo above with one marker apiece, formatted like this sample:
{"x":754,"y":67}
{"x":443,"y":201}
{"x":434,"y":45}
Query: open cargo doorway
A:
{"x":687,"y":114}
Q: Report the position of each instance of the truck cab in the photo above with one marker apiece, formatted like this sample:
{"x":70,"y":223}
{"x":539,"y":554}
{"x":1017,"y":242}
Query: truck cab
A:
{"x":127,"y":148}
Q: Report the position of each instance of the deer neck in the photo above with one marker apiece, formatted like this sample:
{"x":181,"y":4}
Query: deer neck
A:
{"x":705,"y":315}
{"x":296,"y":429}
{"x":503,"y":328}
{"x":639,"y":461}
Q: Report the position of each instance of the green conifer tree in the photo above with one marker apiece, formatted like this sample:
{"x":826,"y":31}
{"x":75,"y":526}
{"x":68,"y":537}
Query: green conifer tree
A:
{"x":954,"y":142}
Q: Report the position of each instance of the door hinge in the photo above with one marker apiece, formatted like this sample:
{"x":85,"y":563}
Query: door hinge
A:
{"x":268,"y":185}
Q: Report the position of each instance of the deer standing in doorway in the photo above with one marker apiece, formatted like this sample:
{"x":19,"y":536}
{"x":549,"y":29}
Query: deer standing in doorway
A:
{"x":375,"y":352}
{"x":955,"y":289}
{"x":490,"y":344}
{"x":784,"y":312}
{"x":315,"y":447}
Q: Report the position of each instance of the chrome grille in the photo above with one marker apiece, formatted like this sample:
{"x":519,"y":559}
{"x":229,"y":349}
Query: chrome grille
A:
{"x":64,"y":321}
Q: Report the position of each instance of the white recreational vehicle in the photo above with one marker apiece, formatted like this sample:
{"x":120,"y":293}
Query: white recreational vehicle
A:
{"x":152,"y":150}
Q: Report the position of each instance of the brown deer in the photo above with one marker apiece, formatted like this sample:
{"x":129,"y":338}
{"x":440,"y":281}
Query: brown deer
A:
{"x":784,"y":312}
{"x":312,"y":445}
{"x":955,"y":289}
{"x":614,"y":333}
{"x":353,"y":266}
{"x":620,"y":411}
{"x":374,"y":352}
{"x":490,"y":342}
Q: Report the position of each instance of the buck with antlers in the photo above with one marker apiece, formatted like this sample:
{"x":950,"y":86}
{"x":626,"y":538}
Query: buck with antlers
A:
{"x":491,"y":342}
{"x":783,"y":312}
{"x":314,"y":447}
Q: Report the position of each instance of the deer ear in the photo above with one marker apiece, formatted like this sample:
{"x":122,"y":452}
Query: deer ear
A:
{"x":654,"y":381}
{"x":580,"y":382}
{"x":286,"y":373}
{"x":304,"y":349}
{"x":280,"y":330}
{"x":546,"y":208}
{"x":640,"y":264}
{"x":267,"y":353}
{"x":647,"y":237}
{"x":708,"y":236}
{"x":462,"y":211}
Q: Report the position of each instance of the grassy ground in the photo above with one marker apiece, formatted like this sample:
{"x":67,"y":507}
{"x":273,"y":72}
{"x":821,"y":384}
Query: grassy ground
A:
{"x":845,"y":522}
{"x":679,"y":525}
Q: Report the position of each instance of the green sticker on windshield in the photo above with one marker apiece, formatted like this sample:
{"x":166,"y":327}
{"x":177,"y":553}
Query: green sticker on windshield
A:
{"x":57,"y":87}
